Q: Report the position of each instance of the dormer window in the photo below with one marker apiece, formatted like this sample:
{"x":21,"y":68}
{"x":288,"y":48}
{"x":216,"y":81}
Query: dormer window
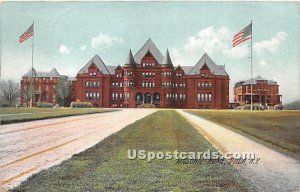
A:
{"x":94,"y":73}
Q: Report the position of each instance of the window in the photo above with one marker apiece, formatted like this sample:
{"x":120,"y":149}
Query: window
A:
{"x":206,"y":97}
{"x":121,"y":84}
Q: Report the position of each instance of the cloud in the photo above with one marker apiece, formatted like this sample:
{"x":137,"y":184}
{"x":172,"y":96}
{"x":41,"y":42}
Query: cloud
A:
{"x":209,"y":40}
{"x":237,"y":52}
{"x":83,"y":47}
{"x":64,"y":50}
{"x":270,"y":45}
{"x":105,"y":41}
{"x":213,"y":40}
{"x":263,"y":62}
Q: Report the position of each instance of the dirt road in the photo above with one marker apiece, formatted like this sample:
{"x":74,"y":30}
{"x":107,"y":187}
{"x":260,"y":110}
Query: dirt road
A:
{"x":273,"y":172}
{"x":27,"y":148}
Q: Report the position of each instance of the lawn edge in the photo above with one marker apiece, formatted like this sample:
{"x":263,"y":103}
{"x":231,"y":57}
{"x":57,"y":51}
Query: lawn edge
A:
{"x":266,"y":143}
{"x":6,"y":122}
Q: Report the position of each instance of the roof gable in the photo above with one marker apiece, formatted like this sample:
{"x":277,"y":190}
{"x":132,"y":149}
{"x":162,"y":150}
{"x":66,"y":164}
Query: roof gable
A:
{"x":99,"y":64}
{"x":205,"y":67}
{"x":214,"y":68}
{"x":151,"y":47}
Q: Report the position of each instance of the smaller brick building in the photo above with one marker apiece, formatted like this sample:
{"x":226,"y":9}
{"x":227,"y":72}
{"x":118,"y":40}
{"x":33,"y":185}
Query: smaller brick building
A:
{"x":44,"y":86}
{"x":265,"y":92}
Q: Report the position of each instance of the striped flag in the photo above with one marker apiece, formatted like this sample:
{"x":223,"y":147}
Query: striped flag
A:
{"x":28,"y":33}
{"x":242,"y":36}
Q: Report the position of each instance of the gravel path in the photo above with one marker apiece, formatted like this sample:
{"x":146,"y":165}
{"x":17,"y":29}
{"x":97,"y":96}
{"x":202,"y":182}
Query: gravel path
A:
{"x":27,"y":148}
{"x":274,"y":171}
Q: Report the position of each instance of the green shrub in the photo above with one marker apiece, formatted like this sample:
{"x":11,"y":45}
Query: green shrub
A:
{"x":81,"y":105}
{"x":44,"y":105}
{"x":254,"y":107}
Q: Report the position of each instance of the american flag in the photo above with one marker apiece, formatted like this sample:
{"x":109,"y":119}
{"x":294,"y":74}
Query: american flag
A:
{"x":242,"y":36}
{"x":28,"y":33}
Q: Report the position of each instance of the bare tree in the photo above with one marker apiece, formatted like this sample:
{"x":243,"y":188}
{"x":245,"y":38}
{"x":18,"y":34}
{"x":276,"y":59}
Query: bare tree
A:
{"x":9,"y":93}
{"x":62,"y":90}
{"x":28,"y":92}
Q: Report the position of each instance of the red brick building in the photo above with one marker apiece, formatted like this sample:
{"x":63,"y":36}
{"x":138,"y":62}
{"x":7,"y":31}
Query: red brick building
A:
{"x":150,"y":77}
{"x":44,"y":86}
{"x":265,"y":92}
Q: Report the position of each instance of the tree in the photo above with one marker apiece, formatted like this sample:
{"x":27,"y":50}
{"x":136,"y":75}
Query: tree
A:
{"x":62,"y":90}
{"x":28,"y":92}
{"x":9,"y":93}
{"x":293,"y":106}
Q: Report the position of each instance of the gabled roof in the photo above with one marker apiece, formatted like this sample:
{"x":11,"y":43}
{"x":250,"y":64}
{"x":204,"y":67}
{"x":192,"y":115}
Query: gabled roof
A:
{"x":130,"y":60}
{"x":149,"y":46}
{"x":98,"y":62}
{"x":179,"y":68}
{"x":167,"y":59}
{"x":52,"y":73}
{"x":214,"y":68}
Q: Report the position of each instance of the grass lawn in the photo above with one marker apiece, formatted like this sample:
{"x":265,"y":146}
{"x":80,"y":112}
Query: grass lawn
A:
{"x":278,"y":128}
{"x":105,"y":167}
{"x":14,"y":115}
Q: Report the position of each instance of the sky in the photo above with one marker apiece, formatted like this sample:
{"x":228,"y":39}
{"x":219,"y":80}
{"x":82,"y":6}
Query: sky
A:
{"x":69,"y":34}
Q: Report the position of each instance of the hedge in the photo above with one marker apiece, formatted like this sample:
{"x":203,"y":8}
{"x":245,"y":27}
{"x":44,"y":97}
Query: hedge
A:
{"x":81,"y":105}
{"x":44,"y":105}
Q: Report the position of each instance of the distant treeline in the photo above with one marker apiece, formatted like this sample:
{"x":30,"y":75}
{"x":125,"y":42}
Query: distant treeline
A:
{"x":293,"y":106}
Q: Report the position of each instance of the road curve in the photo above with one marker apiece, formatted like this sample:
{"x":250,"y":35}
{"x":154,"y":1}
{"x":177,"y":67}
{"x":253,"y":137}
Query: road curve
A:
{"x":274,"y":171}
{"x":27,"y":148}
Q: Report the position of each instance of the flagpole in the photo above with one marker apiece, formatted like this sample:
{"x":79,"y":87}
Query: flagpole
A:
{"x":32,"y":88}
{"x":251,"y":67}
